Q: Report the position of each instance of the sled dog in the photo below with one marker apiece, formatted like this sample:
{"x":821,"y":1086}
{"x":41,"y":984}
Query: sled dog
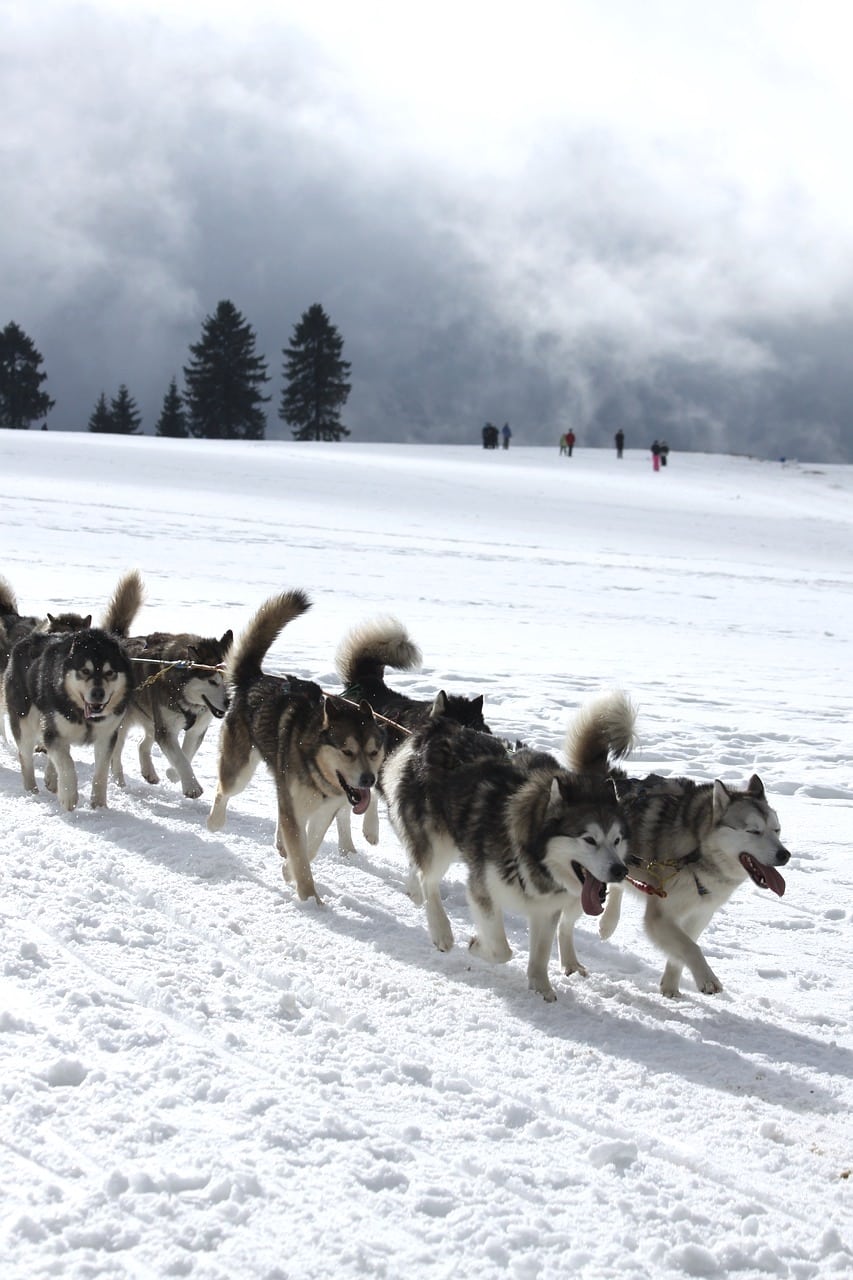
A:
{"x":14,"y":626}
{"x":322,"y":752}
{"x":360,"y":661}
{"x":72,"y":688}
{"x":179,"y":690}
{"x":535,"y":839}
{"x":691,"y":844}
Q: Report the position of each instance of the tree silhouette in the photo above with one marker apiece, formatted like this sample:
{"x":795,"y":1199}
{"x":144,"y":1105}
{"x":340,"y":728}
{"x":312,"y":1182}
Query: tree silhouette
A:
{"x":101,"y":419}
{"x":224,"y":380}
{"x":126,"y":418}
{"x":173,"y":417}
{"x":316,"y":379}
{"x":22,"y":401}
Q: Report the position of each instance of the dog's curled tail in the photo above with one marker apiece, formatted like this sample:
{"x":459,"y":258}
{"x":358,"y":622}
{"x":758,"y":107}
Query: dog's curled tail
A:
{"x":8,"y":600}
{"x":124,"y":605}
{"x":368,"y":649}
{"x":601,"y":733}
{"x":243,"y":663}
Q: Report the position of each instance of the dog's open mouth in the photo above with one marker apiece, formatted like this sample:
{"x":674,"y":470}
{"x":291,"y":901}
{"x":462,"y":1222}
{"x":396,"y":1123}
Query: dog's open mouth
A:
{"x":359,"y":797}
{"x":765,"y":877}
{"x":95,"y":710}
{"x":215,"y":711}
{"x":593,"y":892}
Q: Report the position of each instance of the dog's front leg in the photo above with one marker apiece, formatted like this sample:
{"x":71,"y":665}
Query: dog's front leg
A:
{"x":103,"y":751}
{"x":344,"y":828}
{"x":543,"y":926}
{"x":681,"y":950}
{"x":168,"y":744}
{"x":59,"y":755}
{"x":568,"y":958}
{"x":291,"y":843}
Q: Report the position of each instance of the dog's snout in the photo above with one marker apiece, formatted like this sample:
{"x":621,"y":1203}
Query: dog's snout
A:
{"x":367,"y":780}
{"x":782,"y":857}
{"x":97,"y":693}
{"x":618,"y":872}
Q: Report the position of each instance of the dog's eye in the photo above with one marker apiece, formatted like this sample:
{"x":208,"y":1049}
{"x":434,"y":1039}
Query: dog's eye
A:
{"x":753,"y":831}
{"x":590,"y":840}
{"x":346,"y":751}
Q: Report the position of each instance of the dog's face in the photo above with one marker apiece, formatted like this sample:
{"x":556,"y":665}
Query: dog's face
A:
{"x":206,"y":689}
{"x":746,"y":833}
{"x":352,"y":750}
{"x":587,"y":841}
{"x":55,"y":623}
{"x":95,"y":679}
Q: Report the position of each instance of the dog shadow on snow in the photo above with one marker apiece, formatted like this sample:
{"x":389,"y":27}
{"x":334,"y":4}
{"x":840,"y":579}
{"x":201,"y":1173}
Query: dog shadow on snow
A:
{"x":616,"y":1009}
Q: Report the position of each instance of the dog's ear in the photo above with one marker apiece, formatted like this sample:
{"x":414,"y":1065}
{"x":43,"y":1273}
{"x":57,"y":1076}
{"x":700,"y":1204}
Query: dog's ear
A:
{"x":51,"y":619}
{"x":722,"y":797}
{"x":227,"y":640}
{"x":86,"y":622}
{"x":192,"y":653}
{"x":477,"y":703}
{"x":366,"y":709}
{"x":755,"y":787}
{"x":439,"y":706}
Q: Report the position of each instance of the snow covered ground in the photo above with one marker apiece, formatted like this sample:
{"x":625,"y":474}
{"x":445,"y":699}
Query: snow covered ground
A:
{"x":202,"y":1076}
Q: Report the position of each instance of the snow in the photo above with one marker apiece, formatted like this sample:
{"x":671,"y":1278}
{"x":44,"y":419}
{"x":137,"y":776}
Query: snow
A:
{"x":202,"y":1076}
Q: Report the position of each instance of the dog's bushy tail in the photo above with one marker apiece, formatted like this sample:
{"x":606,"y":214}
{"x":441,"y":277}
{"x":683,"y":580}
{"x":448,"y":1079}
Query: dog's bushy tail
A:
{"x":368,"y":649}
{"x":601,"y":733}
{"x":243,"y":663}
{"x":125,"y":603}
{"x":8,"y":599}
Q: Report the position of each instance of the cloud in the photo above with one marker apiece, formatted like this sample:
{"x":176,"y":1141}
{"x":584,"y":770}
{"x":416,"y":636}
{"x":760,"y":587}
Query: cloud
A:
{"x":576,"y":211}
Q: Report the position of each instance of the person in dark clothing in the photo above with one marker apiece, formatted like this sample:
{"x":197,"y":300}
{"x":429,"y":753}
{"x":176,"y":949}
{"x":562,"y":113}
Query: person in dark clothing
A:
{"x":507,"y":434}
{"x":664,"y":452}
{"x":620,"y":442}
{"x":570,"y":440}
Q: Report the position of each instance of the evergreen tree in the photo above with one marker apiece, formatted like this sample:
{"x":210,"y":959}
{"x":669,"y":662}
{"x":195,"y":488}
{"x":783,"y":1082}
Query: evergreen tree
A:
{"x":126,"y":418}
{"x":101,"y":418}
{"x":21,"y":399}
{"x":316,"y":376}
{"x":224,"y":380}
{"x":173,"y":417}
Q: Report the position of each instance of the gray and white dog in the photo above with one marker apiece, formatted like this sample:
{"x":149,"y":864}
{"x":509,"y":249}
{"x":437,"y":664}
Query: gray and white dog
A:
{"x":322,"y":753}
{"x":361,"y":659}
{"x":535,"y":839}
{"x":73,"y":688}
{"x":691,"y":844}
{"x":180,"y":690}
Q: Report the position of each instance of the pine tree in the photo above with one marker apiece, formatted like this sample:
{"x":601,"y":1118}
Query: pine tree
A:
{"x":316,"y":376}
{"x":101,"y":418}
{"x":22,"y":401}
{"x":173,"y":417}
{"x":126,"y":418}
{"x":224,"y":380}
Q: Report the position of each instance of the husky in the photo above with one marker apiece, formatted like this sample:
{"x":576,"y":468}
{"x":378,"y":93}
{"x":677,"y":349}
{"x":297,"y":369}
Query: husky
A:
{"x":14,"y":626}
{"x":322,"y":752}
{"x":73,"y":688}
{"x":360,"y":661}
{"x":535,"y":839}
{"x":692,"y":843}
{"x":180,"y":691}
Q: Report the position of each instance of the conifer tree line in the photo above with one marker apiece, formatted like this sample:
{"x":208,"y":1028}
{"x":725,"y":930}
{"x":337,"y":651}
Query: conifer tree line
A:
{"x":224,"y":380}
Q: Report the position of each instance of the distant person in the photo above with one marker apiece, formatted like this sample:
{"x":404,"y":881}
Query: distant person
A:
{"x":564,"y":448}
{"x":507,"y":434}
{"x":570,"y":441}
{"x":664,"y":452}
{"x":620,"y":442}
{"x":490,"y":436}
{"x":655,"y":455}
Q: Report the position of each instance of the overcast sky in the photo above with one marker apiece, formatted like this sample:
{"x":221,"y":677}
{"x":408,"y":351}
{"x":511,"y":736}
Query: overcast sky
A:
{"x":587,"y":212}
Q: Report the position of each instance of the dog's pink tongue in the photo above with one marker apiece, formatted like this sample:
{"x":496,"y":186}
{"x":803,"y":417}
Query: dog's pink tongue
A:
{"x":363,"y":800}
{"x":774,"y":880}
{"x":591,"y":895}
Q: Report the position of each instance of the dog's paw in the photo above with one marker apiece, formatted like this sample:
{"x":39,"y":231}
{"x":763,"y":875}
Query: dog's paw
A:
{"x":578,"y":968}
{"x":495,"y":954}
{"x":711,"y":986}
{"x":172,"y":774}
{"x":543,"y":988}
{"x":151,"y":776}
{"x":193,"y":791}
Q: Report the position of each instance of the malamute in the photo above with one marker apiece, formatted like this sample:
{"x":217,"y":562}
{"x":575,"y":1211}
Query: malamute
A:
{"x":691,"y":844}
{"x":72,"y":688}
{"x":179,"y":690}
{"x":322,"y":752}
{"x":534,"y":838}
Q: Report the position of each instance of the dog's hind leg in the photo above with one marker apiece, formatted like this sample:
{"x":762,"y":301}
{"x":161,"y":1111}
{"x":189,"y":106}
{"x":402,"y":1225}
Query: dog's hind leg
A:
{"x":431,"y":865}
{"x":681,"y":951}
{"x":543,"y":926}
{"x":26,"y":743}
{"x":146,"y":763}
{"x":169,"y":745}
{"x":237,"y":763}
{"x":568,"y":958}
